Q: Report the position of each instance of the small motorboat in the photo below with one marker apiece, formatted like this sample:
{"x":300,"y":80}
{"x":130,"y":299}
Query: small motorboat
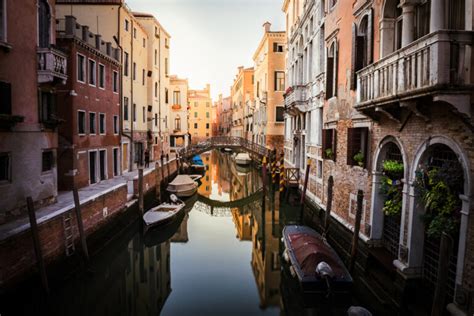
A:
{"x":197,"y":164}
{"x":183,"y":186}
{"x":163,"y":213}
{"x":243,"y":159}
{"x":228,"y":150}
{"x":317,"y":267}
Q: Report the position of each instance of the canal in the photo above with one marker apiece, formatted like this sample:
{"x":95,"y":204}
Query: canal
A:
{"x":220,"y":257}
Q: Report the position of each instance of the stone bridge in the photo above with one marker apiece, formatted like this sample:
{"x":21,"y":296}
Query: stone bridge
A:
{"x":225,"y":142}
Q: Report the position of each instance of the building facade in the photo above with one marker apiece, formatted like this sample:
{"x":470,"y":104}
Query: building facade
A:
{"x":394,"y":77}
{"x":179,"y":114}
{"x":30,"y":71}
{"x":269,"y":86}
{"x":224,"y":116}
{"x":200,"y":113}
{"x":242,"y":102}
{"x":89,"y":140}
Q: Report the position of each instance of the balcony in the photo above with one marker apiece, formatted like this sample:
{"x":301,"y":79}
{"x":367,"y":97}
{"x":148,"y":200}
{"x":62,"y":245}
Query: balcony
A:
{"x":426,"y":67}
{"x":52,"y":65}
{"x":296,"y":98}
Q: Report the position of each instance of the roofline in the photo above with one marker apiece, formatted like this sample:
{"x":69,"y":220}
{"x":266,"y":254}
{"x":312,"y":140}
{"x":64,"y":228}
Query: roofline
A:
{"x":142,"y":15}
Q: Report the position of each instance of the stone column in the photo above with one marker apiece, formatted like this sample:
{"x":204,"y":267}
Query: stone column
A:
{"x":437,"y":12}
{"x":408,"y":23}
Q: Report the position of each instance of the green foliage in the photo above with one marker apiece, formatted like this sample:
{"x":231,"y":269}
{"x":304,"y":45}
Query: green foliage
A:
{"x":359,"y":158}
{"x":392,"y":189}
{"x":439,"y":189}
{"x":394,"y":169}
{"x":329,"y":153}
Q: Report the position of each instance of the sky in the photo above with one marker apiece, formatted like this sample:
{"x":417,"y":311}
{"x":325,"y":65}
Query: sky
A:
{"x":211,"y":38}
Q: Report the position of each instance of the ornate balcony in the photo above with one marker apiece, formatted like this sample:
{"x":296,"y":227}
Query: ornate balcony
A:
{"x":427,"y":67}
{"x":296,"y":97}
{"x":52,"y":65}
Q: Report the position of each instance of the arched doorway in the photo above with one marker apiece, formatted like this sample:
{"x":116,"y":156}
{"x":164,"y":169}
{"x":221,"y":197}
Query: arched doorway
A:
{"x":387,"y":195}
{"x":440,"y":181}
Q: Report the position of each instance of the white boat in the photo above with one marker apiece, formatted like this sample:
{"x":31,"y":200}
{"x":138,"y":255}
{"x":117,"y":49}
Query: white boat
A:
{"x":163,"y":213}
{"x":183,"y":186}
{"x":243,"y":159}
{"x":195,"y":177}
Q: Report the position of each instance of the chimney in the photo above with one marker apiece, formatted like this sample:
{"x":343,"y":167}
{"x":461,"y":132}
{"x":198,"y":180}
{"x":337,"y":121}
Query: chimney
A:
{"x":85,"y":33}
{"x":70,"y":25}
{"x":266,"y":26}
{"x":97,"y":41}
{"x":108,"y":49}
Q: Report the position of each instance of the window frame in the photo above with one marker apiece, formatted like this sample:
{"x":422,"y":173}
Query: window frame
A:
{"x":116,"y":124}
{"x":95,"y":123}
{"x":277,"y":81}
{"x":80,"y":68}
{"x":3,"y":22}
{"x":104,"y":131}
{"x":115,"y":81}
{"x":126,"y":62}
{"x":329,"y":141}
{"x":94,"y":72}
{"x":52,"y":162}
{"x":102,"y":76}
{"x":282,"y":114}
{"x":84,"y":123}
{"x":358,"y":137}
{"x":8,"y":168}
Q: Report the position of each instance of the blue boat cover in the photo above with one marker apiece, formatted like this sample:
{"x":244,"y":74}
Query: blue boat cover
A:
{"x":197,"y":160}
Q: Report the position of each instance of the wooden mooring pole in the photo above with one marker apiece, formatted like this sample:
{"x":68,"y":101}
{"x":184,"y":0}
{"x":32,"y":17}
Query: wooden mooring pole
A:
{"x":305,"y":187}
{"x":439,"y":300}
{"x":140,"y":191}
{"x":36,"y":244}
{"x":264,"y":173}
{"x":162,"y":167}
{"x":168,"y":167}
{"x":355,"y":237}
{"x":80,"y":224}
{"x":327,"y":218}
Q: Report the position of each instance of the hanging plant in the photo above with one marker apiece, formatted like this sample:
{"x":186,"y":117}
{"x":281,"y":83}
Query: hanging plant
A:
{"x":329,"y":153}
{"x":439,"y":188}
{"x":359,"y":158}
{"x":391,"y":187}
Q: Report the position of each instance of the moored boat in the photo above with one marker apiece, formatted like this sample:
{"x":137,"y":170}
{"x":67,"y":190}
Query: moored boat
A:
{"x":163,"y":213}
{"x":317,"y":267}
{"x":183,"y":186}
{"x":197,"y":164}
{"x":243,"y":159}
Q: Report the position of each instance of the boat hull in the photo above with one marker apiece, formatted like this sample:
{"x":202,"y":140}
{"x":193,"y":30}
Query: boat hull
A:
{"x":162,"y":214}
{"x":183,"y":192}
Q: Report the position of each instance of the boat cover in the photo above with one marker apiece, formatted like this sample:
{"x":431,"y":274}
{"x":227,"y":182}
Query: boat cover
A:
{"x":182,"y":179}
{"x":197,"y":160}
{"x":310,"y":251}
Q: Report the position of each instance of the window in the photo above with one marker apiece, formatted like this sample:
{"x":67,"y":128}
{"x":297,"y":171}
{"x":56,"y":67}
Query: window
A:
{"x":329,"y":144}
{"x":91,"y":122}
{"x":177,"y":97}
{"x":134,"y":32}
{"x":144,"y":42}
{"x":125,"y":64}
{"x":331,"y":71}
{"x":47,"y":161}
{"x":361,"y":46}
{"x":125,"y":108}
{"x":280,"y":110}
{"x":422,"y":18}
{"x":92,"y":167}
{"x":278,"y":48}
{"x":207,"y":125}
{"x":156,"y":57}
{"x":134,"y":114}
{"x":143,"y":114}
{"x":207,"y":135}
{"x":5,"y":167}
{"x":279,"y":81}
{"x":134,"y":71}
{"x":195,"y":114}
{"x":81,"y":68}
{"x":207,"y":114}
{"x":115,"y":82}
{"x":143,"y":77}
{"x":92,"y":72}
{"x":208,"y":104}
{"x":47,"y":107}
{"x":116,"y":161}
{"x":195,"y":104}
{"x":3,"y":20}
{"x":101,"y":76}
{"x":156,"y":119}
{"x":166,"y":95}
{"x":116,"y":124}
{"x":102,"y":123}
{"x":357,"y":145}
{"x":81,"y":122}
{"x":332,"y":3}
{"x":5,"y":98}
{"x":44,"y":23}
{"x":166,"y":67}
{"x":126,"y":25}
{"x":156,"y":89}
{"x":177,"y":123}
{"x":195,"y":125}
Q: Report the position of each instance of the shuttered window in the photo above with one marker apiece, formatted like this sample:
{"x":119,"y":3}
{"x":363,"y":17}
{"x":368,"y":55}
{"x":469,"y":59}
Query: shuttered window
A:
{"x":357,"y":143}
{"x":331,"y":71}
{"x":5,"y":98}
{"x":329,"y":143}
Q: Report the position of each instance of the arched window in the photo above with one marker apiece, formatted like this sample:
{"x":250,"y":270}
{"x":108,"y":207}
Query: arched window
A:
{"x":44,"y":23}
{"x":331,"y":71}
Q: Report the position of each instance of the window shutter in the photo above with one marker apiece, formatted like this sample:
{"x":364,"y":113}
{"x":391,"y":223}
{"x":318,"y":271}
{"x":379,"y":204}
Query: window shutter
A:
{"x":354,"y":57}
{"x":336,"y":68}
{"x":324,"y":145}
{"x":365,"y":149}
{"x":350,"y":146}
{"x":329,"y":76}
{"x":275,"y":74}
{"x":370,"y":37}
{"x":5,"y":98}
{"x":334,"y":143}
{"x":275,"y":47}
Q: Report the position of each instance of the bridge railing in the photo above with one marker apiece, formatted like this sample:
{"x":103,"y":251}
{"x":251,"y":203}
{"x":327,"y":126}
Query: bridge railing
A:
{"x":224,"y":141}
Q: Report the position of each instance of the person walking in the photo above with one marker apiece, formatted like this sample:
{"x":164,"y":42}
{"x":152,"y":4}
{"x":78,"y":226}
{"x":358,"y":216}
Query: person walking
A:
{"x":147,"y":158}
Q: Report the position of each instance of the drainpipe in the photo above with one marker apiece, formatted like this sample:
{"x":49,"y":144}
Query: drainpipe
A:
{"x":159,"y":90}
{"x":132,"y":144}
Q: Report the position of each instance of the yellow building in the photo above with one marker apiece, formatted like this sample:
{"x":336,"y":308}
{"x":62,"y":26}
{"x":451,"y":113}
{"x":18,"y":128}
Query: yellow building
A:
{"x":242,"y":97}
{"x":158,"y":84}
{"x":178,"y":91}
{"x":200,"y":114}
{"x":119,"y":25}
{"x":205,"y":189}
{"x":269,"y":86}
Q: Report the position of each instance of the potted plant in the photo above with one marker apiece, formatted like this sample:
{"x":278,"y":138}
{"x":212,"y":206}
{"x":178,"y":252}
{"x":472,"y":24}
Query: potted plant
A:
{"x":359,"y":158}
{"x":329,"y":153}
